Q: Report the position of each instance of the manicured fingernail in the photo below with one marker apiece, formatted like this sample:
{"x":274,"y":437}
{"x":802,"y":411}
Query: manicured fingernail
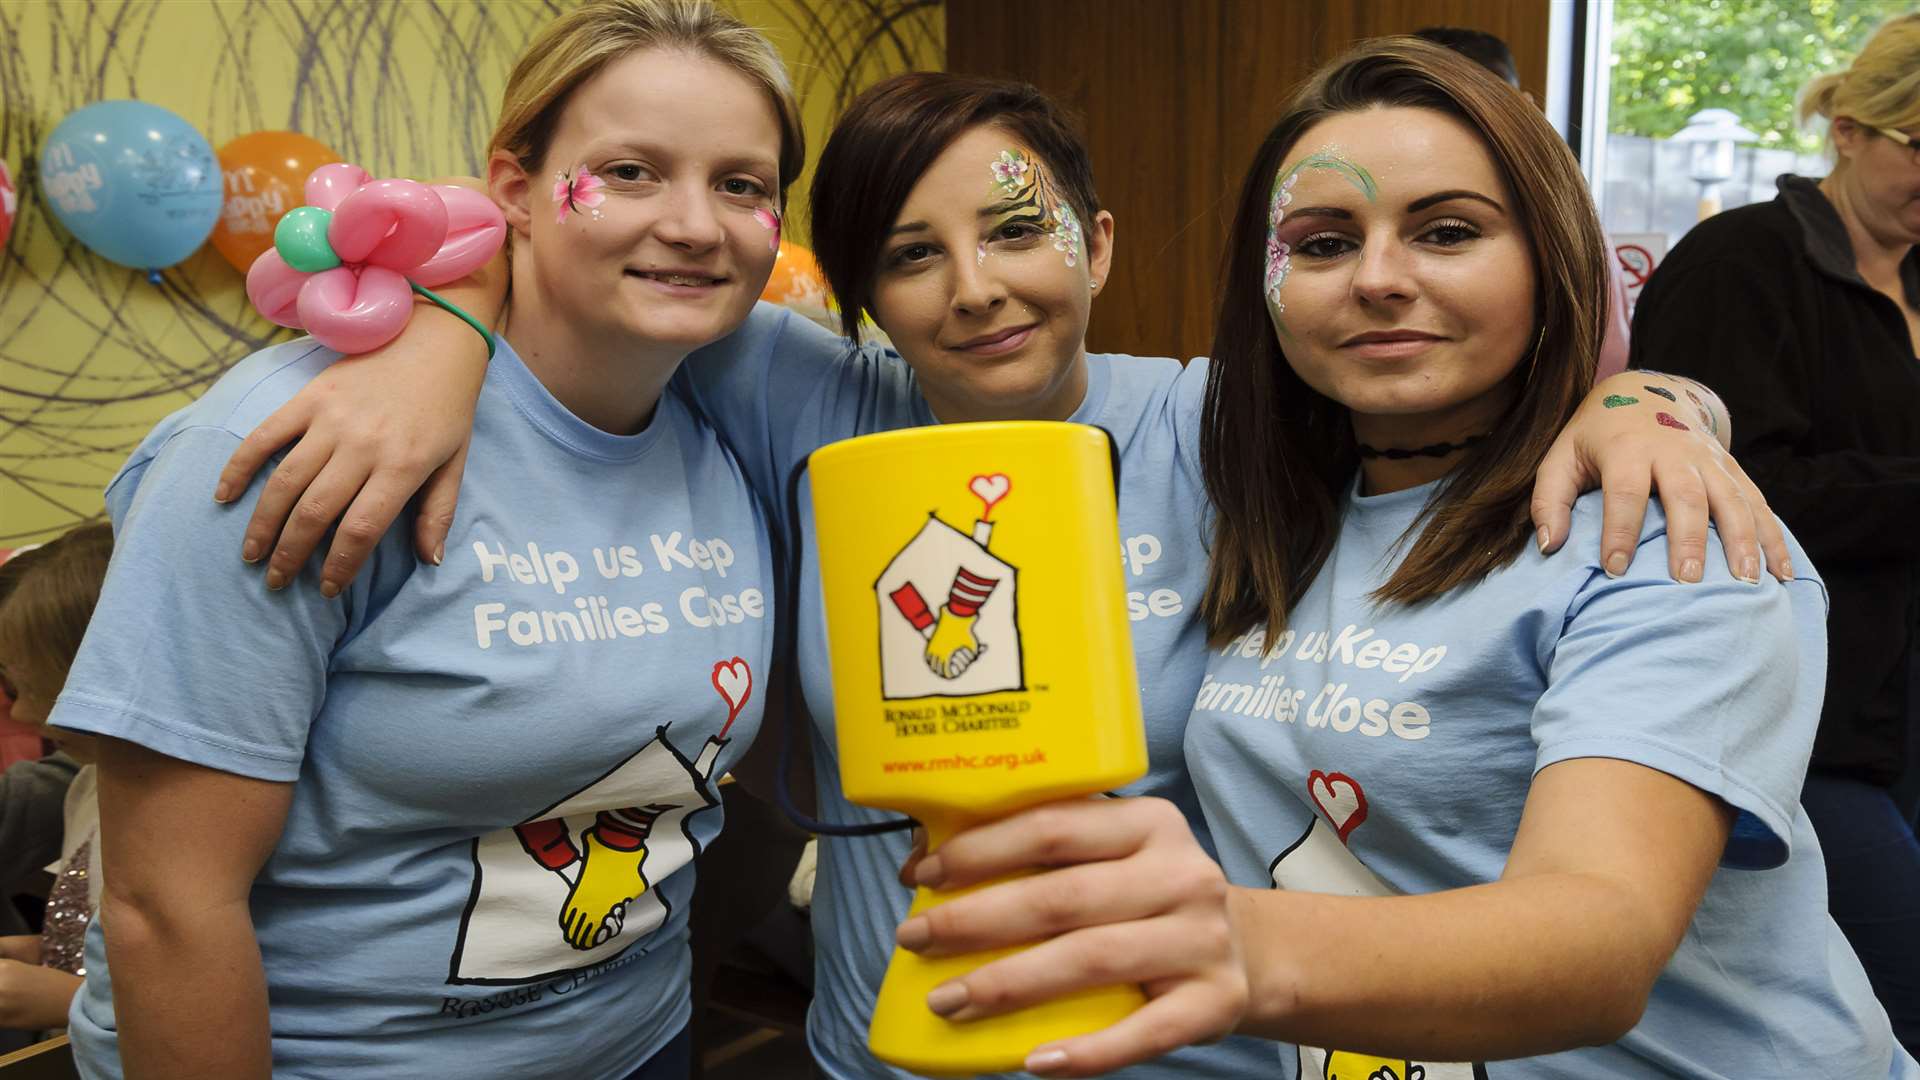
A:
{"x":913,"y":934}
{"x":250,"y":551}
{"x":1616,"y":564}
{"x":329,"y":589}
{"x":1690,"y":570}
{"x":276,"y":579}
{"x":222,"y":493}
{"x":439,"y":553}
{"x":930,"y":873}
{"x":1046,"y":1061}
{"x":1786,"y":571}
{"x":1750,"y":570}
{"x":947,"y":998}
{"x":1543,"y":534}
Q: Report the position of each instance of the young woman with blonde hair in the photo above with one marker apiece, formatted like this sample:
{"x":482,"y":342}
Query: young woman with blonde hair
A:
{"x":1475,"y":803}
{"x":442,"y":823}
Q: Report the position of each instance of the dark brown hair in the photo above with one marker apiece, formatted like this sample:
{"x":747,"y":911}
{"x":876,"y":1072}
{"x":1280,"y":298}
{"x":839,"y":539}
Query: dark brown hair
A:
{"x":887,"y":140}
{"x":46,"y":599}
{"x":1277,"y":455}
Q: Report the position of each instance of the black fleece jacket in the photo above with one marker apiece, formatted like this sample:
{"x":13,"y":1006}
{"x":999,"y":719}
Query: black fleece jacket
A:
{"x":1764,"y":304}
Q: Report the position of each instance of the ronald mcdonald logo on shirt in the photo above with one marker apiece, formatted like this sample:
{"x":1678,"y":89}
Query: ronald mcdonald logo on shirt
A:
{"x":949,"y":609}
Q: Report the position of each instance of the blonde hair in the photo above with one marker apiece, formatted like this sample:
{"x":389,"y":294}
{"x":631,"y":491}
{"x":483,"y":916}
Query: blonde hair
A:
{"x":46,"y":599}
{"x":1882,"y":85}
{"x":574,"y":47}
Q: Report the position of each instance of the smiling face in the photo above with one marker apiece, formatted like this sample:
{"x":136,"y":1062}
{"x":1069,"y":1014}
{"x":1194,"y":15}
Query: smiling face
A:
{"x":655,"y":218}
{"x":986,"y":281}
{"x":1399,"y":279}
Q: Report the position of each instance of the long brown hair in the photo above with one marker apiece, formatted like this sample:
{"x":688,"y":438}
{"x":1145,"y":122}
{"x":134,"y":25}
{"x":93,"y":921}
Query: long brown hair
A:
{"x":1277,"y":455}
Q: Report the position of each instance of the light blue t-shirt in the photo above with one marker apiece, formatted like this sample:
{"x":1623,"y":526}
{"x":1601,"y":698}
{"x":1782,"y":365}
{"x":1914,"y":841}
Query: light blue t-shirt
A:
{"x":779,"y":389}
{"x":1385,"y":749}
{"x":502,"y":766}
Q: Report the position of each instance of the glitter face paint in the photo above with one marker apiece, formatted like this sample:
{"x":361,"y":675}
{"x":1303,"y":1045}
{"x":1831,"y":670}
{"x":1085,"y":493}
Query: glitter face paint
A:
{"x":770,"y":221}
{"x":578,"y":192}
{"x":1279,"y":255}
{"x":1027,"y":195}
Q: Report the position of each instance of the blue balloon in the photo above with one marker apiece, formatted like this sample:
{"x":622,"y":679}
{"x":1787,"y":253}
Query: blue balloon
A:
{"x":132,"y":181}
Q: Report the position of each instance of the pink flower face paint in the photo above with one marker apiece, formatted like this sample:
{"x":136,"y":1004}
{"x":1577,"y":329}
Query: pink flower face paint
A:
{"x":1279,"y":258}
{"x":770,"y":221}
{"x":579,"y":192}
{"x":1027,"y":195}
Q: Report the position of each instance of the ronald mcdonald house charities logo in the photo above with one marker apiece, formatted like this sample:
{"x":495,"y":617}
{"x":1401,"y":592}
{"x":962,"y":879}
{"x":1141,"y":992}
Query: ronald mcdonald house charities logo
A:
{"x":949,"y":608}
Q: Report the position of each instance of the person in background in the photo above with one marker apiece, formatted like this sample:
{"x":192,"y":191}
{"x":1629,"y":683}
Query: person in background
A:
{"x":31,"y":796}
{"x":1492,"y":53}
{"x":46,"y":600}
{"x":1804,"y":312}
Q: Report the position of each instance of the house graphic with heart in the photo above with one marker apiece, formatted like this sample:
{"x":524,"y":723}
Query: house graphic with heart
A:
{"x":1319,"y":861}
{"x":949,"y":608}
{"x":573,"y":885}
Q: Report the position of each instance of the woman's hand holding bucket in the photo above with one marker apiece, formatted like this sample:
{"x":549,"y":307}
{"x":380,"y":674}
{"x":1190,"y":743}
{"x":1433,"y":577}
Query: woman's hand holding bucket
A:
{"x":1124,"y":894}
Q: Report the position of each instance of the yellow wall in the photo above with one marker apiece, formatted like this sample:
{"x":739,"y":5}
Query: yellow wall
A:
{"x":91,"y":355}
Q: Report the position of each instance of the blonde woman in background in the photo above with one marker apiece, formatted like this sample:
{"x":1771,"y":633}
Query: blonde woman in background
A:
{"x":442,"y":823}
{"x":1804,"y":312}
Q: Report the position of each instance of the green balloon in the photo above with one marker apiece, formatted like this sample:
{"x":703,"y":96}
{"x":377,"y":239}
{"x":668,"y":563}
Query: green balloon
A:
{"x":301,"y":239}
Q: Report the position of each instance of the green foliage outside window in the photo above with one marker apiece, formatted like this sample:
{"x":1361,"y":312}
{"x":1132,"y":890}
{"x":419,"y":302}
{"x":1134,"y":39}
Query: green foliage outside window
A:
{"x":1672,"y":58}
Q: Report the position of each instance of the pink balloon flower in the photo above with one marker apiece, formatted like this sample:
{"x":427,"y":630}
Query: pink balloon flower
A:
{"x":385,"y":233}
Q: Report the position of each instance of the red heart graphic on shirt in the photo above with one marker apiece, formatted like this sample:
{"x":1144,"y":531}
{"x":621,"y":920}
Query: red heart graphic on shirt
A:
{"x":734,"y":680}
{"x":1339,"y":797}
{"x":990,"y":490}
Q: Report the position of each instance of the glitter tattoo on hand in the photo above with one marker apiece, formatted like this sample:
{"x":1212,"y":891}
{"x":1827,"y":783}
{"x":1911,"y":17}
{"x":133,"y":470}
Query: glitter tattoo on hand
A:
{"x":1280,"y":255}
{"x":580,"y":192}
{"x":770,"y":221}
{"x":1028,"y":195}
{"x":1666,"y":419}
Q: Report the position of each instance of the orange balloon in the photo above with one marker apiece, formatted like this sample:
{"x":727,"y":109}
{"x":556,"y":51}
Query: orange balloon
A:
{"x":266,"y":176}
{"x":797,"y":281}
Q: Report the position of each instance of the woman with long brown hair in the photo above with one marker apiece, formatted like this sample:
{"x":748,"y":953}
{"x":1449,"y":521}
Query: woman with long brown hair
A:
{"x":1475,"y":802}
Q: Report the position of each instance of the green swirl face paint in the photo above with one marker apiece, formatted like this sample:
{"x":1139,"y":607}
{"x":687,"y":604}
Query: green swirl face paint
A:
{"x":1027,"y":194}
{"x":1280,"y":256}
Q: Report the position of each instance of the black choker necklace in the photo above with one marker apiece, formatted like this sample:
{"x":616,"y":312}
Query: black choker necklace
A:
{"x":1439,"y":449}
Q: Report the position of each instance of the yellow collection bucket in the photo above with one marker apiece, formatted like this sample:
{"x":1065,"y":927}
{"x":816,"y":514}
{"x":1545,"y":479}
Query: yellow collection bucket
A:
{"x":976,"y":618}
